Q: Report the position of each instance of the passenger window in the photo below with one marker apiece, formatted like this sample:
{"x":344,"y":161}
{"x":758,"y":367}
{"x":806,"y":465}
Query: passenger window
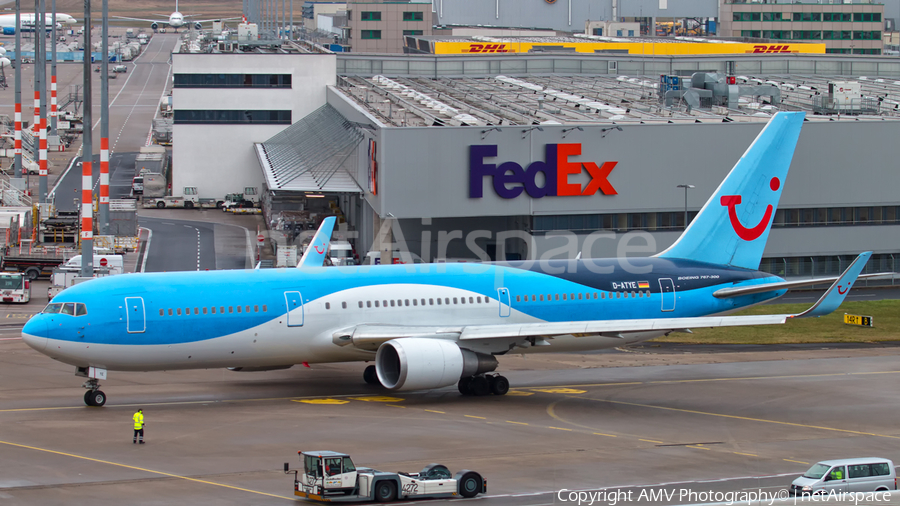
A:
{"x":423,"y":302}
{"x":230,"y":309}
{"x":430,"y":302}
{"x":633,"y":295}
{"x":161,"y":312}
{"x":255,"y":309}
{"x":407,"y":302}
{"x":178,"y":311}
{"x":376,"y":304}
{"x":264,"y":308}
{"x":415,"y":302}
{"x":447,"y":300}
{"x":222,"y":309}
{"x":454,"y":300}
{"x":204,"y":309}
{"x":618,"y":295}
{"x":462,"y":300}
{"x":196,"y":310}
{"x":392,"y":302}
{"x":858,"y":471}
{"x":602,"y":295}
{"x":564,"y":296}
{"x":542,"y":297}
{"x":384,"y":303}
{"x":170,"y":311}
{"x":213,"y":309}
{"x":239,"y":309}
{"x":579,"y":295}
{"x":344,"y":305}
{"x":471,"y":300}
{"x":534,"y":298}
{"x":247,"y":308}
{"x":572,"y":297}
{"x":327,"y":306}
{"x":439,"y":301}
{"x":517,"y":298}
{"x":368,"y":303}
{"x":187,"y":310}
{"x":557,"y":296}
{"x":478,"y":299}
{"x":595,"y":295}
{"x":360,"y":304}
{"x":882,"y":469}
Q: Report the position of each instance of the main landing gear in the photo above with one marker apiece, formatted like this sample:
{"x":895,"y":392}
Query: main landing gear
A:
{"x":94,"y":396}
{"x":483,"y":385}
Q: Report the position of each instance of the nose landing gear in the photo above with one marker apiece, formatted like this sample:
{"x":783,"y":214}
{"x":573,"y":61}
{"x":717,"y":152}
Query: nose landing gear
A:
{"x":94,"y":396}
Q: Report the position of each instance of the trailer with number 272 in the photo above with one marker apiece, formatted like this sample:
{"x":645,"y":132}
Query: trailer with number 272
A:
{"x":332,"y":477}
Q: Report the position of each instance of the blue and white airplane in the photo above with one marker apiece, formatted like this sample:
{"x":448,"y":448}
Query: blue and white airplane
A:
{"x":429,"y":326}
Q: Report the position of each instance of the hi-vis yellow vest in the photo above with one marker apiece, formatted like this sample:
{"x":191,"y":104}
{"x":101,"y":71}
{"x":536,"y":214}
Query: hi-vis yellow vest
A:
{"x":138,"y":420}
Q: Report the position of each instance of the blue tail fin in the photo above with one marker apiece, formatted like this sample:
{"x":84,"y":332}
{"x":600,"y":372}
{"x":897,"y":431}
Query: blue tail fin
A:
{"x":733,"y":225}
{"x":318,"y":246}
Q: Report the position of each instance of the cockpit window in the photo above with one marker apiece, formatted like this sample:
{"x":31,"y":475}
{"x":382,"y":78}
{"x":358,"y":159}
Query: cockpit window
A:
{"x":69,"y":308}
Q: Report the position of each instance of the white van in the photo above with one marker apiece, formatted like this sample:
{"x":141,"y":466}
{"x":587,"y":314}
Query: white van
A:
{"x":114,"y":263}
{"x":341,"y":253}
{"x":847,"y":475}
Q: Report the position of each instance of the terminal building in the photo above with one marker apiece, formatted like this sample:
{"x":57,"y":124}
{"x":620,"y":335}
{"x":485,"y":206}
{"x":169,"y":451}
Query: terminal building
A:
{"x":404,"y":148}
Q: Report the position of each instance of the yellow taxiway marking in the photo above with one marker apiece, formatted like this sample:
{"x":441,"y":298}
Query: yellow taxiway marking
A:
{"x":519,"y":393}
{"x":395,"y":406}
{"x":651,"y":441}
{"x":746,"y":454}
{"x":559,"y":390}
{"x":376,"y":398}
{"x":558,"y":428}
{"x":698,"y":447}
{"x":436,"y":411}
{"x":735,"y":417}
{"x":602,"y":434}
{"x":161,"y":473}
{"x":795,"y":461}
{"x":473,"y":416}
{"x":323,"y":401}
{"x":517,"y":423}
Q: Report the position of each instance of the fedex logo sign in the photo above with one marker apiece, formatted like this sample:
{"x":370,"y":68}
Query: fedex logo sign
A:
{"x":511,"y":179}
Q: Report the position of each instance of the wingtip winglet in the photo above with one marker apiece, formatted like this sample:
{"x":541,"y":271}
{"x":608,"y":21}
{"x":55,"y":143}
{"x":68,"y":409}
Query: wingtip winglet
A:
{"x":837,"y":292}
{"x":314,"y":256}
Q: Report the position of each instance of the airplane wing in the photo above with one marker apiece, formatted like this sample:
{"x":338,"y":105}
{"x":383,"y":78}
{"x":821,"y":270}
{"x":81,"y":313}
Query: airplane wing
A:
{"x":726,"y":293}
{"x":314,"y":256}
{"x":191,"y":16}
{"x":370,"y":337}
{"x":142,"y":19}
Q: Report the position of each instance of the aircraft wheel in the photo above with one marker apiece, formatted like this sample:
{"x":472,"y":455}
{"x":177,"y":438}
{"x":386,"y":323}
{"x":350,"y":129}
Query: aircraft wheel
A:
{"x":499,"y":385}
{"x":87,"y":397}
{"x":95,"y":398}
{"x":370,"y":375}
{"x":480,"y":386}
{"x":463,"y":385}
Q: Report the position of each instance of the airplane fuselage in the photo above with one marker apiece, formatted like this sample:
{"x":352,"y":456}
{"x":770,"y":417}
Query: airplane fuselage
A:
{"x":273,"y":317}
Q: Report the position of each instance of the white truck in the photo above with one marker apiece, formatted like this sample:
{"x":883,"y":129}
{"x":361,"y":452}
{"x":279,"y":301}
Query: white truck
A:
{"x":189,"y":200}
{"x":332,"y":477}
{"x":14,"y":288}
{"x":248,"y":199}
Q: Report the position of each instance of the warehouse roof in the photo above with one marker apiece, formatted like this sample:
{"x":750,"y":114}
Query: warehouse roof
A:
{"x":611,"y":99}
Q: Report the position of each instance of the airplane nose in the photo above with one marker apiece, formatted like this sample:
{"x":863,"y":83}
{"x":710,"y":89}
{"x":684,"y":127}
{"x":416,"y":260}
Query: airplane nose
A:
{"x":34,"y":333}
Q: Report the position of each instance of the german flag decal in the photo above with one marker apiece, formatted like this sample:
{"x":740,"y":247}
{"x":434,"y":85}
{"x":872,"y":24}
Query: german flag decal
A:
{"x":643,"y":284}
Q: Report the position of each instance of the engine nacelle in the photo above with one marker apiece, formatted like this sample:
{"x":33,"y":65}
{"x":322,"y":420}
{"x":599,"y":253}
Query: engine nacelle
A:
{"x":9,"y":30}
{"x":417,"y":363}
{"x":198,"y":26}
{"x":154,"y":26}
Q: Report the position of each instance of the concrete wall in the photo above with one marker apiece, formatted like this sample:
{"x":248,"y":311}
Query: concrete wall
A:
{"x":219,"y":159}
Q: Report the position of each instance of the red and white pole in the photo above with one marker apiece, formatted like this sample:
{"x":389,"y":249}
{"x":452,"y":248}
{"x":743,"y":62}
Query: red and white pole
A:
{"x":17,"y":136}
{"x":53,"y":96}
{"x":87,"y":203}
{"x":104,"y":174}
{"x":42,"y":156}
{"x":37,"y":113}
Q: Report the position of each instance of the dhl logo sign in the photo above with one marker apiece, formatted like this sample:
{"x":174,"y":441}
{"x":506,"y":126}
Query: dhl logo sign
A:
{"x":772,"y":49}
{"x":488,"y":48}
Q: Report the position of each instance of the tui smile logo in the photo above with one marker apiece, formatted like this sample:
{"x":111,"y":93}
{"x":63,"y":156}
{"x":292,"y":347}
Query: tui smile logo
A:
{"x":745,"y":233}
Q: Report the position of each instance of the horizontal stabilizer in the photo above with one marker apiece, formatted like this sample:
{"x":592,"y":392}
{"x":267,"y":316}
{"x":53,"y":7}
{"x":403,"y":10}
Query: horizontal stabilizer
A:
{"x":835,"y":295}
{"x":726,"y":293}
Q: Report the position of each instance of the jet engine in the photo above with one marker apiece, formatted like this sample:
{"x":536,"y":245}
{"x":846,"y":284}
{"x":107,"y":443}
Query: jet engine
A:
{"x":198,"y":26}
{"x":416,"y":363}
{"x":154,"y":26}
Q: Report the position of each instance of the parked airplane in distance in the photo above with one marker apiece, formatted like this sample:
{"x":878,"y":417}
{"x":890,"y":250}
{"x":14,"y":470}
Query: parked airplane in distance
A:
{"x":429,"y":326}
{"x":174,"y":20}
{"x":27,"y":22}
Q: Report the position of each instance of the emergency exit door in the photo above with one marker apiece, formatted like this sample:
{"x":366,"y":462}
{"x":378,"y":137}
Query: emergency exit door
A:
{"x":135,"y":318}
{"x":667,"y":290}
{"x":294,"y":303}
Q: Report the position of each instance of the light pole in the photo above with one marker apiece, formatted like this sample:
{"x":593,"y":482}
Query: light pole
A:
{"x":686,"y":188}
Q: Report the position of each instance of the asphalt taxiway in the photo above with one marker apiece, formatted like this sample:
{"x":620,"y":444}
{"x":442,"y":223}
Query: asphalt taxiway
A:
{"x":220,"y":437}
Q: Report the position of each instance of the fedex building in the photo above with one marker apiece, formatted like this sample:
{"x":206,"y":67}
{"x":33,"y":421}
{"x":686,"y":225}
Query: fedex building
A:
{"x":521,"y":156}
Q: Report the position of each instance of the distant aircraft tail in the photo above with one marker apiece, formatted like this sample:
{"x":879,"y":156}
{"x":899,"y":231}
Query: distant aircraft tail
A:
{"x":733,"y":225}
{"x":318,"y":246}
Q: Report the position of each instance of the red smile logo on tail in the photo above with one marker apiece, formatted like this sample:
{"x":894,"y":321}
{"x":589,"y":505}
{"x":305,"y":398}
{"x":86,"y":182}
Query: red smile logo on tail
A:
{"x":842,"y":292}
{"x":317,"y":249}
{"x":745,"y":233}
